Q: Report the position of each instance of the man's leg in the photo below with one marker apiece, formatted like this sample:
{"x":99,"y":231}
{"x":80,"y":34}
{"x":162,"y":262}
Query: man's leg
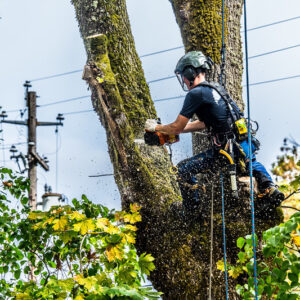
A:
{"x":265,"y":183}
{"x":187,"y":169}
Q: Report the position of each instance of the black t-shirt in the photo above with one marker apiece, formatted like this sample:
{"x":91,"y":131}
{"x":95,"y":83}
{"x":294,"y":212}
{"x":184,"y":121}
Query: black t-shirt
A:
{"x":209,"y":107}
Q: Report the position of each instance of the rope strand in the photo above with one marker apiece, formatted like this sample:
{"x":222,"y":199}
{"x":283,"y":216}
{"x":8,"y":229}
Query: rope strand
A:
{"x":250,"y":152}
{"x":224,"y":236}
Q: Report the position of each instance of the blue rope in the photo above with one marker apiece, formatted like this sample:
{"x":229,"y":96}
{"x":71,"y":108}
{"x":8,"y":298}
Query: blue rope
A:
{"x":250,"y":152}
{"x":224,"y":236}
{"x":222,"y":82}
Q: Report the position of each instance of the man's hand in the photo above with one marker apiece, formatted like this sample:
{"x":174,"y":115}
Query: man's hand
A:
{"x":150,"y":125}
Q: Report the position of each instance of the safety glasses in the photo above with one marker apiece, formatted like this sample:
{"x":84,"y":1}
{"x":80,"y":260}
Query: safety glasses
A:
{"x":181,"y":81}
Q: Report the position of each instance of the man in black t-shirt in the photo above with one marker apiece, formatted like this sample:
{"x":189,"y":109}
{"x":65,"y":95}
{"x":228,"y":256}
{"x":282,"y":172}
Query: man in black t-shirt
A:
{"x":213,"y":113}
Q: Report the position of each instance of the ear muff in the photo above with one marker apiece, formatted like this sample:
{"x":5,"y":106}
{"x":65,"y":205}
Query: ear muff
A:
{"x":189,"y":73}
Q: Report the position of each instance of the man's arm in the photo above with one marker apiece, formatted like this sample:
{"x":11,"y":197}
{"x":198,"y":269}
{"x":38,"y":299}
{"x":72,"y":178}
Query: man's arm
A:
{"x":194,"y":126}
{"x":173,"y":128}
{"x":181,"y":125}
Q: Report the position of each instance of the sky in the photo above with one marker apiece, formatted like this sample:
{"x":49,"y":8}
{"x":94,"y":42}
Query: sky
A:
{"x":41,"y":38}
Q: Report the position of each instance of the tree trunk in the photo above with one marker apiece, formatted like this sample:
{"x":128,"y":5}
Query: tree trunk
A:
{"x":143,"y":173}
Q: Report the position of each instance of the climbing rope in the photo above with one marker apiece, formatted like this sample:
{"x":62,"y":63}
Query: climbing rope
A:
{"x":224,"y":236}
{"x":250,"y":152}
{"x":222,"y":82}
{"x":211,"y":241}
{"x":222,"y":79}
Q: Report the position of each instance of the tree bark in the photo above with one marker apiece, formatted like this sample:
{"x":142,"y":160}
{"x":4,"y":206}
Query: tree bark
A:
{"x":121,"y":98}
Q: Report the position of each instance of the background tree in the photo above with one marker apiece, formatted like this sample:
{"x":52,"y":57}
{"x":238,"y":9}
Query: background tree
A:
{"x":122,"y":100}
{"x":79,"y":252}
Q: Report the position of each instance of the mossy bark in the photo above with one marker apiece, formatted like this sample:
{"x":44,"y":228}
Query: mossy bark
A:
{"x":143,"y":174}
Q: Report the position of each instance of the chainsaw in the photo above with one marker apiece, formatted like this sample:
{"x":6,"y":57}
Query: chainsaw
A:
{"x":159,"y":139}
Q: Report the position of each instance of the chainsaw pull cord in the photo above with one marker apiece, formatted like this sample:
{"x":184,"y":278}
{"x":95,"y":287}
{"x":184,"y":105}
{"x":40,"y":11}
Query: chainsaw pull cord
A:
{"x":250,"y":153}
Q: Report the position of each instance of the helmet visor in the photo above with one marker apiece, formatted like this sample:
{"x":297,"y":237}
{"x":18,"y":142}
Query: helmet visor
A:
{"x":181,"y":81}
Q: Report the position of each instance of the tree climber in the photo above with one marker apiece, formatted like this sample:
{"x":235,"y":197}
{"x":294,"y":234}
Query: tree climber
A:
{"x":214,"y":114}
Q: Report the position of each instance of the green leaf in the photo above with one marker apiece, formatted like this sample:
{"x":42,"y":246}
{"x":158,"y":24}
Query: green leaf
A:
{"x":17,"y":274}
{"x":114,"y":239}
{"x":52,"y":264}
{"x":242,"y":257}
{"x":240,"y":242}
{"x":293,"y":277}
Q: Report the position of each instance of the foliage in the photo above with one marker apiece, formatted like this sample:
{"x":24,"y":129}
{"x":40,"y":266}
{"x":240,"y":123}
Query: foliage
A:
{"x":77,"y":252}
{"x":287,"y":167}
{"x":279,"y":272}
{"x":278,"y":266}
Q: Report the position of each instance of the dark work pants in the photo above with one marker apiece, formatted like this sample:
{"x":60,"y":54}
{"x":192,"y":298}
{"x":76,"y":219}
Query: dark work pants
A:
{"x":208,"y":160}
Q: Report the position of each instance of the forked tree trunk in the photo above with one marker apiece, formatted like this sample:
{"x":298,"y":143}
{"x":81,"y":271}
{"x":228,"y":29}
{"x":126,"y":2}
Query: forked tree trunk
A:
{"x":143,"y":174}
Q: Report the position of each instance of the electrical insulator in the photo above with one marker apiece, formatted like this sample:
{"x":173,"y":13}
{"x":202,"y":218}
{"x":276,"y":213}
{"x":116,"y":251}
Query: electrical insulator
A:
{"x":13,"y":149}
{"x":3,"y":114}
{"x":60,"y":118}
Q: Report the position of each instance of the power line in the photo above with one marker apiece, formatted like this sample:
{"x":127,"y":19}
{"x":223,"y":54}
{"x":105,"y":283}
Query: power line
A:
{"x":55,"y":75}
{"x":251,"y":57}
{"x":161,"y":79}
{"x":182,"y":96}
{"x":274,"y":80}
{"x":274,"y":51}
{"x":274,"y":23}
{"x":101,"y":175}
{"x":14,"y":110}
{"x":8,"y":146}
{"x":78,"y":112}
{"x":174,"y":97}
{"x":64,"y":101}
{"x":170,"y":98}
{"x":161,"y":51}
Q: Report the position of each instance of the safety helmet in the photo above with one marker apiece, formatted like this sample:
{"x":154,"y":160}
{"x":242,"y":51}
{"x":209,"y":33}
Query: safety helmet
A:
{"x":190,"y":65}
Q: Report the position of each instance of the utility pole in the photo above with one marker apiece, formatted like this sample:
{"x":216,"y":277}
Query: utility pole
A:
{"x":33,"y":158}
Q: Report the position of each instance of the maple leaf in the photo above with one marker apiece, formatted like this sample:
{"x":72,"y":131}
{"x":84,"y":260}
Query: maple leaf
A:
{"x":129,"y":238}
{"x":102,"y":223}
{"x":135,"y":207}
{"x":77,"y":216}
{"x":60,"y":224}
{"x":88,"y":282}
{"x":131,"y":227}
{"x":119,"y":215}
{"x":112,"y":229}
{"x":234,"y":272}
{"x":48,"y":221}
{"x":132,"y":218}
{"x":67,"y":236}
{"x":37,"y":226}
{"x":84,"y":226}
{"x":296,"y":239}
{"x":113,"y":252}
{"x":221,"y":265}
{"x":36,"y":215}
